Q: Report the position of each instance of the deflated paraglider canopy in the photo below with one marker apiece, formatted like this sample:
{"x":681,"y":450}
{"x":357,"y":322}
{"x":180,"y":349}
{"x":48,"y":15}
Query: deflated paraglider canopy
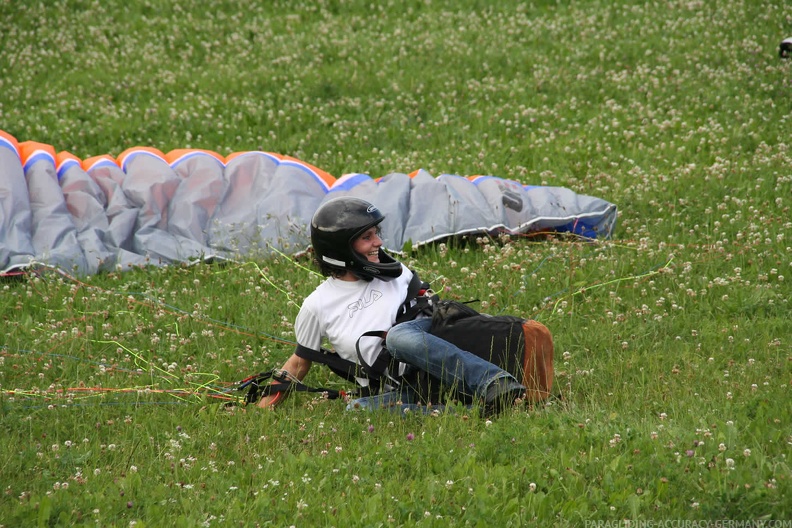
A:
{"x":150,"y":208}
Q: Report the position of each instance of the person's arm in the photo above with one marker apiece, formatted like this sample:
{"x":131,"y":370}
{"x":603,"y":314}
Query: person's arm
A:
{"x":295,"y":366}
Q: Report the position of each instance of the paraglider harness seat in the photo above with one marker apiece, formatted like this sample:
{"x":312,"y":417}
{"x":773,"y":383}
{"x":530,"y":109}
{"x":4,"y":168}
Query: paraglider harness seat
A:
{"x":381,"y":375}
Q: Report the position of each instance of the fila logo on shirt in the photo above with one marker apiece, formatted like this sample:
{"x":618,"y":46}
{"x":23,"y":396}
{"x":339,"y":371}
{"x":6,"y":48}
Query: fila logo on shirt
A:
{"x":363,"y":302}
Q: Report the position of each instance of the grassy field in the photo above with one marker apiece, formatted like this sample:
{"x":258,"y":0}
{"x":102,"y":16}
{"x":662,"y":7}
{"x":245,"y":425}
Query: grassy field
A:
{"x":673,"y":339}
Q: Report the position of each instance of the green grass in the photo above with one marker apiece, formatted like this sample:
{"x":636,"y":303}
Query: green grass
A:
{"x":672,"y":340}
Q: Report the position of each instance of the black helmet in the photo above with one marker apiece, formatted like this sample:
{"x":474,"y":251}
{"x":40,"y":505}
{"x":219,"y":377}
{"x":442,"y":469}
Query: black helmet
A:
{"x":335,"y":225}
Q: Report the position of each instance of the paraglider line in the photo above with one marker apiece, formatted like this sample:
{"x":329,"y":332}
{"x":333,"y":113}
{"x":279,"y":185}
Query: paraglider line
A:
{"x":654,"y":271}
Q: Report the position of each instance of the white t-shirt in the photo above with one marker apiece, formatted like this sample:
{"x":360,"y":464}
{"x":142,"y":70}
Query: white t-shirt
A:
{"x":341,"y":311}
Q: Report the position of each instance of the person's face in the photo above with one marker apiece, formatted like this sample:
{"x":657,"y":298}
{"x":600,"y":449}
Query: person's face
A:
{"x":368,"y":244}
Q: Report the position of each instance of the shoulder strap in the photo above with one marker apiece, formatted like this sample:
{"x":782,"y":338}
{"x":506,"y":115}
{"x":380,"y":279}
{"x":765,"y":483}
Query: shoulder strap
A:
{"x":419,"y":300}
{"x":415,"y":286}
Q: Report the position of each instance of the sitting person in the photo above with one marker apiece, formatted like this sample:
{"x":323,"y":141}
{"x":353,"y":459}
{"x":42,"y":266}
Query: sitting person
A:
{"x":365,"y":290}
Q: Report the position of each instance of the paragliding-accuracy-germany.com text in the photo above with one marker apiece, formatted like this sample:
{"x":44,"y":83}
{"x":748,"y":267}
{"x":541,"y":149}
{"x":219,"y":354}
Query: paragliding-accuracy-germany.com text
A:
{"x":691,"y":523}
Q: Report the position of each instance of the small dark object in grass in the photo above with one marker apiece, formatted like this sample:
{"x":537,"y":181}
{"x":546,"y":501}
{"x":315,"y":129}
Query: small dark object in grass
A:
{"x":785,"y":49}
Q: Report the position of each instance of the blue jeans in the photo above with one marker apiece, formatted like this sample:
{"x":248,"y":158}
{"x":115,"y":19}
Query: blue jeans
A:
{"x":411,"y":343}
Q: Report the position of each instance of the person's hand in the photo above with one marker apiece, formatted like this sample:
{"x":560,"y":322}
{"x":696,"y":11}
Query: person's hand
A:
{"x":269,"y":402}
{"x":295,"y":368}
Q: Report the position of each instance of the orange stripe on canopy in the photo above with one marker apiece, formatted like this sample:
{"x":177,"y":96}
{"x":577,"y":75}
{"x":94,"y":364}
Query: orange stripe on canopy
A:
{"x":139,"y":150}
{"x":174,"y":155}
{"x":63,"y":156}
{"x":326,"y":176}
{"x":10,"y":140}
{"x":27,"y":149}
{"x":89,"y":163}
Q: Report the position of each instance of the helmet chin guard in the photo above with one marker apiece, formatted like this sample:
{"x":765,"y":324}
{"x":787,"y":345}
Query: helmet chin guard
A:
{"x":336,"y":225}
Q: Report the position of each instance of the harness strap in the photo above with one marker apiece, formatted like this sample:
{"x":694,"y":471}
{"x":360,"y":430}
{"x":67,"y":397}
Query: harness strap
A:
{"x":378,"y":369}
{"x":417,"y":301}
{"x":257,"y":388}
{"x":340,"y":366}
